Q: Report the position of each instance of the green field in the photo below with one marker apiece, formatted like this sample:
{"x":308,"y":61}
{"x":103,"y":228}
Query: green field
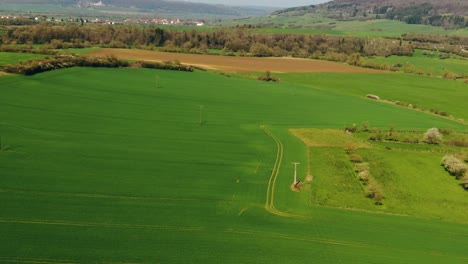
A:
{"x":426,"y":92}
{"x":108,"y":166}
{"x":14,"y":58}
{"x":428,"y":62}
{"x":320,"y":24}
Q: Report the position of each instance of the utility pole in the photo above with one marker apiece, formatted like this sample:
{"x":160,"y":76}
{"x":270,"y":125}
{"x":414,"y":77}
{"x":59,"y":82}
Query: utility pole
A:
{"x":295,"y":171}
{"x":157,"y":81}
{"x":201,"y":115}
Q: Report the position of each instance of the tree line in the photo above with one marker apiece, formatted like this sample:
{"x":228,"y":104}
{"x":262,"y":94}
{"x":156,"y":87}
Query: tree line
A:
{"x":69,"y":61}
{"x":236,"y":41}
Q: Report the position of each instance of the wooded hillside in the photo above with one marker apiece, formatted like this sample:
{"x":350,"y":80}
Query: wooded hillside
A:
{"x":450,"y":14}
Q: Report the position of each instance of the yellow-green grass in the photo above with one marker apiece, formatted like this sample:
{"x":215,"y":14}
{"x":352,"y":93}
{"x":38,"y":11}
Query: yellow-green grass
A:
{"x":313,"y":137}
{"x":106,"y":165}
{"x":412,"y":178}
{"x":425,"y":92}
{"x":14,"y":57}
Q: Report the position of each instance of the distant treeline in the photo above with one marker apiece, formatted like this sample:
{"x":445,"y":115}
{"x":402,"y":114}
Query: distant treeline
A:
{"x":252,"y":44}
{"x":424,"y":14}
{"x":68,"y":61}
{"x":17,"y":21}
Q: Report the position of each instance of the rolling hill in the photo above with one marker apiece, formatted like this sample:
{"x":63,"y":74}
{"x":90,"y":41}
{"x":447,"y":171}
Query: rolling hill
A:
{"x":159,"y":6}
{"x":449,"y":14}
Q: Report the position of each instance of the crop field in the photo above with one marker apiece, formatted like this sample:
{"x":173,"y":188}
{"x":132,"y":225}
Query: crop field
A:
{"x":146,"y":166}
{"x":13,"y":58}
{"x":423,"y":91}
{"x":238,"y":64}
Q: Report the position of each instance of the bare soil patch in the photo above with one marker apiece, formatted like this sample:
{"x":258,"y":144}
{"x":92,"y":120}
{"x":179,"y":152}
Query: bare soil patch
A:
{"x":235,"y":64}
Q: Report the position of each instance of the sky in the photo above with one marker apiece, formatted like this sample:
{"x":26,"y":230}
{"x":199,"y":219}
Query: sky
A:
{"x":272,"y":3}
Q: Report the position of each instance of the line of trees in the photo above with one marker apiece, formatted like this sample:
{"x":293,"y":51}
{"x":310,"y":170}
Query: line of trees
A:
{"x":68,"y":61}
{"x":298,"y":45}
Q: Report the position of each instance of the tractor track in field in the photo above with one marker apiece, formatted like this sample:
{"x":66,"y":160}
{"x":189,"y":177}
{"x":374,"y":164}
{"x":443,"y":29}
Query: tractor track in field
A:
{"x":270,"y":196}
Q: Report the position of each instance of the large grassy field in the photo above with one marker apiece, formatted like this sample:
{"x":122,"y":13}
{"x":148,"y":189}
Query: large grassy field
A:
{"x":319,"y":24}
{"x":113,"y":166}
{"x":423,"y":91}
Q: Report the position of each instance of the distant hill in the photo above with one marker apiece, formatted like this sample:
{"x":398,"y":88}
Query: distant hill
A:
{"x":449,"y":14}
{"x":161,"y":6}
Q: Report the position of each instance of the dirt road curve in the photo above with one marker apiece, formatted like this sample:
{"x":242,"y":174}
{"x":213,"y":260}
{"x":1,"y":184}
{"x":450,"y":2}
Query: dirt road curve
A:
{"x":235,"y":64}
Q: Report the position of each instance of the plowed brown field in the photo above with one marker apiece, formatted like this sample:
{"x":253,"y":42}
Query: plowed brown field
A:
{"x":235,"y":64}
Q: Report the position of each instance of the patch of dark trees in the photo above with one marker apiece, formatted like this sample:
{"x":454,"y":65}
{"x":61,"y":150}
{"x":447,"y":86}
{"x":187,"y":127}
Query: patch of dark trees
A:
{"x":425,"y":14}
{"x":17,"y":21}
{"x":68,"y":61}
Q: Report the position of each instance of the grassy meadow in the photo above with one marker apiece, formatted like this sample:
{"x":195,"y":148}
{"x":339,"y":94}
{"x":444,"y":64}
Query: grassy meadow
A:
{"x":148,"y":166}
{"x":427,"y":62}
{"x":320,"y":24}
{"x":14,"y":58}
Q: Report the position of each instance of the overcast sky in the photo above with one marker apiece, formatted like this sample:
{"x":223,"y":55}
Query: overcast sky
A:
{"x":275,"y":3}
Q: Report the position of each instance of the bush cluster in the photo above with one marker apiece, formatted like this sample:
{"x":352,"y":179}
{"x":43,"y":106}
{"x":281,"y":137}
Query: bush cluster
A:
{"x":455,"y":166}
{"x":268,"y":78}
{"x":432,"y":136}
{"x":372,"y":187}
{"x":457,"y":142}
{"x":61,"y":62}
{"x":166,"y":66}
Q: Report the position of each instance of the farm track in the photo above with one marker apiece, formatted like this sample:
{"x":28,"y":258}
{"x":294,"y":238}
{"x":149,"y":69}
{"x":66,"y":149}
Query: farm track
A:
{"x":235,"y":64}
{"x":270,"y":196}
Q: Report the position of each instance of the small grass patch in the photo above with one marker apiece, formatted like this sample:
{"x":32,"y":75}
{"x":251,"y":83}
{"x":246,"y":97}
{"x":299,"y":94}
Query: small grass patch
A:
{"x":314,"y":137}
{"x":17,"y":57}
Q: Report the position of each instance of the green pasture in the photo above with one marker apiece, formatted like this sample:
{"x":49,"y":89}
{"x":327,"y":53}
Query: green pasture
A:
{"x":113,"y":166}
{"x":320,"y":24}
{"x":423,"y":91}
{"x":428,"y":62}
{"x":14,"y":57}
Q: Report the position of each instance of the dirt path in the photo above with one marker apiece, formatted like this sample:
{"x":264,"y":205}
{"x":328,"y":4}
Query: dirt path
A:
{"x":235,"y":64}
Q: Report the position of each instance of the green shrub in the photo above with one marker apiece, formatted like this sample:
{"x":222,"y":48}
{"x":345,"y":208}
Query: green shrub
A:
{"x":457,"y":142}
{"x":364,"y":176}
{"x":374,"y":191}
{"x":355,"y":158}
{"x":464,"y":182}
{"x":350,"y":148}
{"x":360,"y":167}
{"x":268,"y":78}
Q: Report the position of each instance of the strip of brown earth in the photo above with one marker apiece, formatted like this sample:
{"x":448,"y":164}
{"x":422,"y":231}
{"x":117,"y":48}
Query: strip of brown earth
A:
{"x":235,"y":64}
